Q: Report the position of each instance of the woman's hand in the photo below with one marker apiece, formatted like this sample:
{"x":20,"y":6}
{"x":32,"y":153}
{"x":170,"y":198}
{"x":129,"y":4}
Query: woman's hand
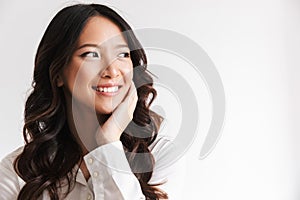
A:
{"x":114,"y":126}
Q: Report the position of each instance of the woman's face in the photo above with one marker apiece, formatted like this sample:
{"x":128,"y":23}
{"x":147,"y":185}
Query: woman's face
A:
{"x":100,"y":71}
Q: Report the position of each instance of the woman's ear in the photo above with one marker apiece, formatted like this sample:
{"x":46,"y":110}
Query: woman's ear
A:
{"x":59,"y":81}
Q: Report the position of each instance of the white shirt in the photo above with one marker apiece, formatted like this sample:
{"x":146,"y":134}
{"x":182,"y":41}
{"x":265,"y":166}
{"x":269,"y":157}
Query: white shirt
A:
{"x":111,"y":177}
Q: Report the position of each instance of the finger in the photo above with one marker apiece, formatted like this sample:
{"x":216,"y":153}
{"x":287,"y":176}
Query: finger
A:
{"x":129,"y":92}
{"x":132,"y":92}
{"x":132,"y":89}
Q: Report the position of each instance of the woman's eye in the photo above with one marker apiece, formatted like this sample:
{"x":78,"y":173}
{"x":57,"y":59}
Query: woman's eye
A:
{"x":124,"y":55}
{"x":91,"y":54}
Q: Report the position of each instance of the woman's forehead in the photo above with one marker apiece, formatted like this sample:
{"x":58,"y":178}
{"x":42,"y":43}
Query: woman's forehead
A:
{"x":99,"y":30}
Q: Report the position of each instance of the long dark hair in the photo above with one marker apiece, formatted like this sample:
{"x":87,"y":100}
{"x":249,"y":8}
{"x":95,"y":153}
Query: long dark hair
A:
{"x":51,"y":151}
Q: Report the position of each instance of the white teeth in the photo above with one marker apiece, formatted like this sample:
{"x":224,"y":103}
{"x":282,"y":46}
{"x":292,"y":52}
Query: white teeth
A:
{"x":108,"y":89}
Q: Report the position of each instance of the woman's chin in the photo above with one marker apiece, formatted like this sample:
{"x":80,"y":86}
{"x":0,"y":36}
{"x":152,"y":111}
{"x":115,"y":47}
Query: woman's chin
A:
{"x":104,"y":111}
{"x":105,"y":108}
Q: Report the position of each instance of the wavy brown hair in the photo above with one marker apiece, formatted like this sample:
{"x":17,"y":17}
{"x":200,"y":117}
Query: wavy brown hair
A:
{"x":51,"y":152}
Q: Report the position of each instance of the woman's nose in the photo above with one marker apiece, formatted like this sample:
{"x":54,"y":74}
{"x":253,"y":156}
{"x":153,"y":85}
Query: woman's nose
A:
{"x":111,"y":71}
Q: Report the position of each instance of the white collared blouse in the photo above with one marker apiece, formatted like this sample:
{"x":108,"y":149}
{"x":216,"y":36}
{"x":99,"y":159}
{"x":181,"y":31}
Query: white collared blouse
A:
{"x":111,"y":177}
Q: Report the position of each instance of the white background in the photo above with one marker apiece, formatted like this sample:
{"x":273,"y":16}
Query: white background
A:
{"x":255,"y":46}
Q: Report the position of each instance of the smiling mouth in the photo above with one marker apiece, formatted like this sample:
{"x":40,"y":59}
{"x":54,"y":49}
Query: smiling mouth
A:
{"x":112,"y":89}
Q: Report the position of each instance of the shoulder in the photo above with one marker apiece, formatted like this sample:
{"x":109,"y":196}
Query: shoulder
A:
{"x":166,"y":153}
{"x":9,"y":159}
{"x":169,"y":166}
{"x":161,"y":147}
{"x":10,"y":182}
{"x":161,"y":142}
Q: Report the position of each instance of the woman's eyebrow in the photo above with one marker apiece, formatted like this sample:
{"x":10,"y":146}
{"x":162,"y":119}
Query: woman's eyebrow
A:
{"x":88,"y":45}
{"x":122,"y":45}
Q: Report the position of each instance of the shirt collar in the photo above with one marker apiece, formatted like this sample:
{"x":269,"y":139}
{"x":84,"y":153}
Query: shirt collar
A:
{"x":80,"y":177}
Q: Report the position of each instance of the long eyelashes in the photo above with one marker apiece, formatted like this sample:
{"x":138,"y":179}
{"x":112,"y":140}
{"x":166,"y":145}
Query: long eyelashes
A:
{"x":96,"y":55}
{"x":124,"y":55}
{"x":90,"y":54}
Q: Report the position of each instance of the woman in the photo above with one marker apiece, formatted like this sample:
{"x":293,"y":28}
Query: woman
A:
{"x":85,"y":122}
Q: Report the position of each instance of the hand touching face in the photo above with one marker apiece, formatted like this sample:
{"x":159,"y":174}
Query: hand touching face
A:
{"x":114,"y":126}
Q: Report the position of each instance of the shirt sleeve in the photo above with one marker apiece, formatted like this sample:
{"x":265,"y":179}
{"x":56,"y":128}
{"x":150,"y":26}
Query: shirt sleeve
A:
{"x":9,"y":183}
{"x":112,"y":177}
{"x":111,"y":174}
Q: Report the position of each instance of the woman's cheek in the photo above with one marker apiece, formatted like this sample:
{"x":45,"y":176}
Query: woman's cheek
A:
{"x":129,"y":71}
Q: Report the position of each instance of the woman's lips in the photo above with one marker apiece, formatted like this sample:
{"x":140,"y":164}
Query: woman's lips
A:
{"x":107,"y":89}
